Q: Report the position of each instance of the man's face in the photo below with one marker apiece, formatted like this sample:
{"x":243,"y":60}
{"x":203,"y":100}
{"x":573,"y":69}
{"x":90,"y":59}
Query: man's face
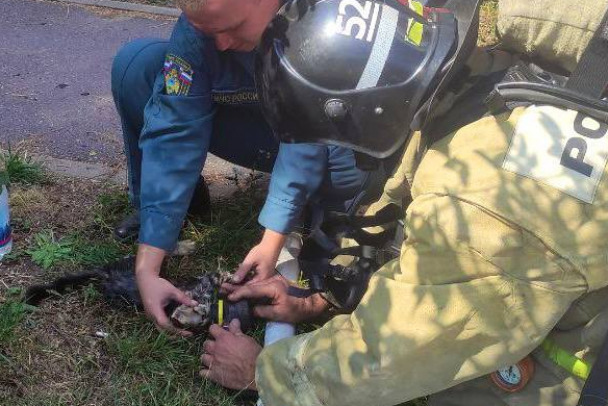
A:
{"x":235,"y":24}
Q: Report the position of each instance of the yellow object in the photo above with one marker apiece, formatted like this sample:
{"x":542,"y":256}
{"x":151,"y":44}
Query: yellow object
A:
{"x":415,"y":29}
{"x":567,"y":361}
{"x":220,"y":312}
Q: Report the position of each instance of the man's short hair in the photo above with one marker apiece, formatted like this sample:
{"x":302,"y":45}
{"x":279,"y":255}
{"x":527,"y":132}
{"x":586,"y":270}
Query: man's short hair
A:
{"x":190,"y":5}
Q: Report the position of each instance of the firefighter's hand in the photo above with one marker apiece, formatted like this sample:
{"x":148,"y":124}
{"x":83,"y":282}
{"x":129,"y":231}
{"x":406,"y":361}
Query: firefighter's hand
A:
{"x":261,"y":261}
{"x":274,"y":303}
{"x":229,"y":357}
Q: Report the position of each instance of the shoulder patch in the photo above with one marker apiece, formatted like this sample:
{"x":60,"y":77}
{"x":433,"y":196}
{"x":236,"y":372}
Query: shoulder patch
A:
{"x":562,"y":148}
{"x":178,"y":75}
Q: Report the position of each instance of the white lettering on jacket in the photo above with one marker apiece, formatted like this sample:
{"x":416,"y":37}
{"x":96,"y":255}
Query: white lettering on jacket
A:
{"x":562,"y":148}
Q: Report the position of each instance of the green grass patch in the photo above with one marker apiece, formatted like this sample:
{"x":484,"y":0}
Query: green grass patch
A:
{"x":96,"y":253}
{"x":146,"y":352}
{"x":11,"y":314}
{"x":47,"y":250}
{"x":112,"y":206}
{"x":44,"y":399}
{"x":155,"y":369}
{"x":230,"y":231}
{"x":21,"y":168}
{"x":90,"y":294}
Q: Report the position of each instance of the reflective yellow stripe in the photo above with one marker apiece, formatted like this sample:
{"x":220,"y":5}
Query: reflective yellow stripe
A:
{"x":220,"y":312}
{"x":564,"y":359}
{"x":415,"y":29}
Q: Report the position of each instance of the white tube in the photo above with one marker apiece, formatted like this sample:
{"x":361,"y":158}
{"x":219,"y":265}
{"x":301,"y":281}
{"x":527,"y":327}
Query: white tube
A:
{"x":287,"y":265}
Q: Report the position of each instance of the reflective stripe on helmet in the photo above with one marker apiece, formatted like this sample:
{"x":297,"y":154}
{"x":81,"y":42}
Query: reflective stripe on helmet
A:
{"x":381,"y":48}
{"x":414,"y":28}
{"x":565,"y":360}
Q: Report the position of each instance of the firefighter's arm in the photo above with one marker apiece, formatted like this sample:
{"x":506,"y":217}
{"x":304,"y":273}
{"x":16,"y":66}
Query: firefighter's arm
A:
{"x":469,"y":294}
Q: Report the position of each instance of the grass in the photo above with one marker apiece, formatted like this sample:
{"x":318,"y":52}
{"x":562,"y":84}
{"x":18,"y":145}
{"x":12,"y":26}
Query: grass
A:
{"x":487,"y":26}
{"x":111,"y":207}
{"x":230,"y":232}
{"x":144,"y":352}
{"x":160,"y":370}
{"x":135,"y":364}
{"x":47,"y":250}
{"x":85,"y":247}
{"x":19,"y":167}
{"x":11,"y":314}
{"x":99,"y":253}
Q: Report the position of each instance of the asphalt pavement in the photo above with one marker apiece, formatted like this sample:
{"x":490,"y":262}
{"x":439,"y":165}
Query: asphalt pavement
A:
{"x":55,"y":62}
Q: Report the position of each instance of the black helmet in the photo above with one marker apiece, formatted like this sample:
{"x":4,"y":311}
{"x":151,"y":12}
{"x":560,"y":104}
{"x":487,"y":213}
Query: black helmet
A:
{"x":353,"y":72}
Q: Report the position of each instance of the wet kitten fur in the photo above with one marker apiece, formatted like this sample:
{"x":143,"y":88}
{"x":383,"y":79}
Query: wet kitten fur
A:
{"x":118,"y":285}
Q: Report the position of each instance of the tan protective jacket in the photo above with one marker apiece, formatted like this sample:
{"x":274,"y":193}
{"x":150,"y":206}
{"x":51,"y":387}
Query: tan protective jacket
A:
{"x":554,"y":32}
{"x":492,"y":261}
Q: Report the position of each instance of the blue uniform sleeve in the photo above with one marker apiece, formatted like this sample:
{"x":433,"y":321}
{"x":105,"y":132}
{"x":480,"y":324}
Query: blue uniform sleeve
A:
{"x":298,"y":173}
{"x":174,"y":143}
{"x":175,"y":137}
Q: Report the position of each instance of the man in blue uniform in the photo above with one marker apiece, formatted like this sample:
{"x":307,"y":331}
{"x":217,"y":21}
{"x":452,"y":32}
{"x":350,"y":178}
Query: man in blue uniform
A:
{"x":194,"y":94}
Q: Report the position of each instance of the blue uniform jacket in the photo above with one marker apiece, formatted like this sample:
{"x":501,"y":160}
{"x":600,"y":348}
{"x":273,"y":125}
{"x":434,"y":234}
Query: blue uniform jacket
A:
{"x":205,"y":101}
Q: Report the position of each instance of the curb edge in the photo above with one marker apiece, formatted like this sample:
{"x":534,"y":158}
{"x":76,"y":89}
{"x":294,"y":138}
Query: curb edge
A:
{"x":121,"y":5}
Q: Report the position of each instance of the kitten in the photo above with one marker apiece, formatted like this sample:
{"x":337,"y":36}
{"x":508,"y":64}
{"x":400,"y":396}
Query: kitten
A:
{"x":118,"y":285}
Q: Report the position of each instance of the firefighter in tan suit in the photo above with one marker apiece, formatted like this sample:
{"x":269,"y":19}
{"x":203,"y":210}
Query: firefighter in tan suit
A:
{"x":505,"y":255}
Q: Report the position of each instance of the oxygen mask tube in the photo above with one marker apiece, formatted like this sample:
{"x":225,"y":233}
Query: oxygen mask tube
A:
{"x":288,"y":267}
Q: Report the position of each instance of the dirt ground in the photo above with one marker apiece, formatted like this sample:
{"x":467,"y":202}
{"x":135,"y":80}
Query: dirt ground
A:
{"x":77,"y":349}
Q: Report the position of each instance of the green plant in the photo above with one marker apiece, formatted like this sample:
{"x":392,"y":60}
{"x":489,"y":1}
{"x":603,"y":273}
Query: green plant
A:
{"x":230,"y":231}
{"x":4,"y":180}
{"x":111,"y":207}
{"x":47,"y":250}
{"x":11,"y":314}
{"x":155,"y":369}
{"x":96,"y":253}
{"x":145,"y":351}
{"x":20,"y":168}
{"x":90,"y":294}
{"x":12,"y":256}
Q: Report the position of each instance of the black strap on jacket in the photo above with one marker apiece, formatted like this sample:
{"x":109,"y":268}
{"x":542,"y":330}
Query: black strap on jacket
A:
{"x":344,"y":286}
{"x":590,"y":77}
{"x":582,"y":92}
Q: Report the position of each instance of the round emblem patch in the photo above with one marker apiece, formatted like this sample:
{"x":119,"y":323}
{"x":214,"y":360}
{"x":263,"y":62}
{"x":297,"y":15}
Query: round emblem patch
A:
{"x":514,"y":377}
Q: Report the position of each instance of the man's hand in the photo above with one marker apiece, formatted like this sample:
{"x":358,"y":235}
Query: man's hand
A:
{"x":279,"y":306}
{"x":155,"y":291}
{"x":229,"y":358}
{"x":262,"y":259}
